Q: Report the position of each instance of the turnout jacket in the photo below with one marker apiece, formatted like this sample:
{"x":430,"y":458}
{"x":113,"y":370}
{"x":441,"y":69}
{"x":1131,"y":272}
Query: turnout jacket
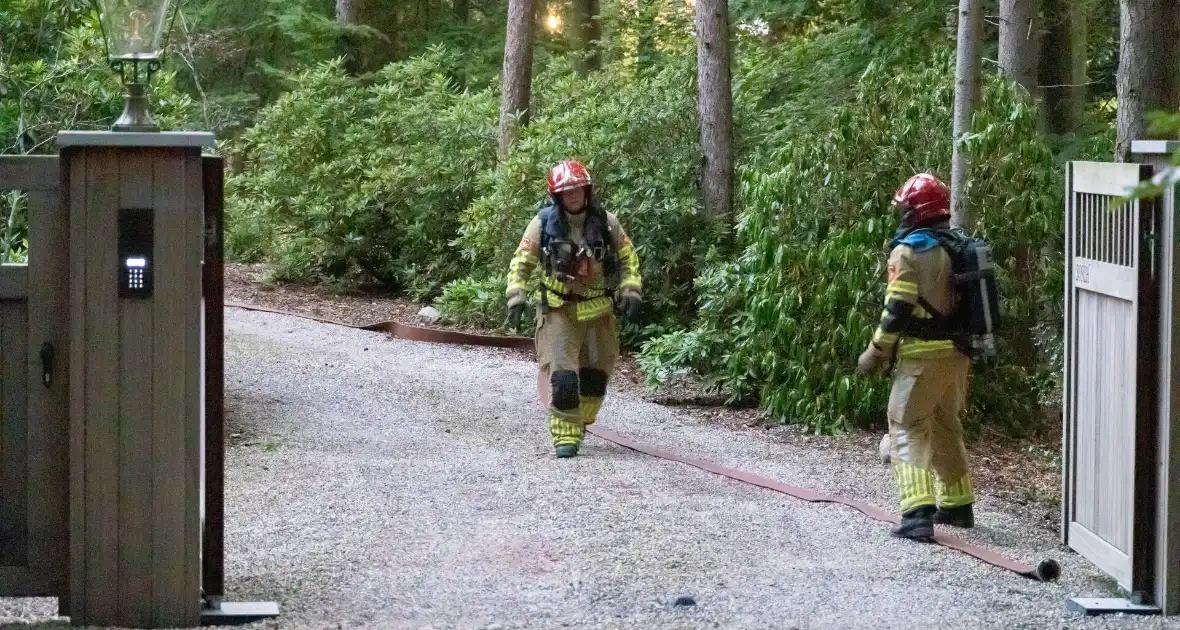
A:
{"x":588,"y":288}
{"x":918,"y":268}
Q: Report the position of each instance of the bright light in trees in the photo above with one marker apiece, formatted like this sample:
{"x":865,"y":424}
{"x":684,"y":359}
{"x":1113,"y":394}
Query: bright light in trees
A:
{"x":553,"y":22}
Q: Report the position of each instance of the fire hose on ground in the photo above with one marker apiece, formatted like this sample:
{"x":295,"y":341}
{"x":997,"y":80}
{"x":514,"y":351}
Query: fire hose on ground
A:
{"x":1046,"y":570}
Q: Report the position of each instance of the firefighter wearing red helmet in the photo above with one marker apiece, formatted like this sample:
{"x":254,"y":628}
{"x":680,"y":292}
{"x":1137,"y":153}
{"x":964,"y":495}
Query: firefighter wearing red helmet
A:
{"x":588,"y":263}
{"x":930,"y":377}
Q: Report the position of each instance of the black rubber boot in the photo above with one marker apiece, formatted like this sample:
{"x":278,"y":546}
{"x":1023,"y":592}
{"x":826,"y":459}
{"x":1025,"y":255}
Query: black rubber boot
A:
{"x":959,"y":516}
{"x":566,"y":450}
{"x":917,"y":524}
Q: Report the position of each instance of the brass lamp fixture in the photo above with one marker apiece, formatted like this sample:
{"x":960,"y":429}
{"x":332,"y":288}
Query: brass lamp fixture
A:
{"x":135,"y":34}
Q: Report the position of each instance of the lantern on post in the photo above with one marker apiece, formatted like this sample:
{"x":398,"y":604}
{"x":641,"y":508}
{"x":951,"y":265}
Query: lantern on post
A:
{"x":135,"y":34}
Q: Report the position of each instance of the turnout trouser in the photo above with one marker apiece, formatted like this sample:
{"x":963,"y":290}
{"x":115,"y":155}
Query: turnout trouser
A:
{"x":929,"y":457}
{"x":575,"y":360}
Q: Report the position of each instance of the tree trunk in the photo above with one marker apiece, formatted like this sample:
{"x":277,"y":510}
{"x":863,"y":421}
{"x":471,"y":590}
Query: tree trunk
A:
{"x":348,"y":14}
{"x":1150,"y":49}
{"x":1063,"y":65}
{"x":461,"y":9}
{"x":645,"y":28}
{"x":518,"y":71}
{"x":587,"y":33}
{"x":346,"y":11}
{"x":1020,"y":40}
{"x":716,"y":107}
{"x":966,"y":91}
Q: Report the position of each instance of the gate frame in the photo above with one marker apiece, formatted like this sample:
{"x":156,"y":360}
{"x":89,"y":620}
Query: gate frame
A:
{"x":1166,"y":563}
{"x":47,"y":523}
{"x":213,"y":291}
{"x":1144,"y":546}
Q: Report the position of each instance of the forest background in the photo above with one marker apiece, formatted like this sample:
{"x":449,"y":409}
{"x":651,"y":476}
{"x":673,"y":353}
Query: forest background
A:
{"x":750,"y":148}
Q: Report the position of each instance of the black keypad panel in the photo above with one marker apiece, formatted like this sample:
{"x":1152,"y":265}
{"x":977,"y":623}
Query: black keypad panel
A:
{"x":135,"y":279}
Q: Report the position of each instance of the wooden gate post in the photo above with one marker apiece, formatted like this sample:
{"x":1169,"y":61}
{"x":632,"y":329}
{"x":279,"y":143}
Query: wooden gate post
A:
{"x":136,"y":241}
{"x":1158,"y":154}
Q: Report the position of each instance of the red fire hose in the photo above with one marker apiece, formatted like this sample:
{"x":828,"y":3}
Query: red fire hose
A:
{"x":1046,"y":570}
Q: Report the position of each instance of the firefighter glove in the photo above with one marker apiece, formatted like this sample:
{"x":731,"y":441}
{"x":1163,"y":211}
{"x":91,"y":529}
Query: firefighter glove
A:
{"x":514,"y":313}
{"x":872,"y":360}
{"x":629,"y":305}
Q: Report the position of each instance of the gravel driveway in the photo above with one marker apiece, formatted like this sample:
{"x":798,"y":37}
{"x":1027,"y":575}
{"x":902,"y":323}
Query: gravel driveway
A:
{"x":382,"y":483}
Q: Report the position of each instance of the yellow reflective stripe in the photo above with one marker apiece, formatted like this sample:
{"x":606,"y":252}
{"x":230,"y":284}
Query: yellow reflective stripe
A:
{"x":589,"y":407}
{"x":560,"y":287}
{"x":630,"y":274}
{"x":914,"y":485}
{"x":901,"y":286}
{"x":593,"y":308}
{"x":900,"y":296}
{"x":883,"y":338}
{"x":519,"y":269}
{"x":523,"y":257}
{"x":554,"y":301}
{"x":959,"y":493}
{"x":923,"y":344}
{"x":908,"y":350}
{"x":916,"y":350}
{"x":589,"y":308}
{"x":564,"y":432}
{"x":555,"y":284}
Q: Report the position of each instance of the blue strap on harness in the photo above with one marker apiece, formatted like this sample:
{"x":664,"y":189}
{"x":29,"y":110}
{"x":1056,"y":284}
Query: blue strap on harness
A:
{"x":918,"y":240}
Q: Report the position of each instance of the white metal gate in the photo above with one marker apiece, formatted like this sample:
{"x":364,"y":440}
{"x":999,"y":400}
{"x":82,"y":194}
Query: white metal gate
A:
{"x":1109,"y":429}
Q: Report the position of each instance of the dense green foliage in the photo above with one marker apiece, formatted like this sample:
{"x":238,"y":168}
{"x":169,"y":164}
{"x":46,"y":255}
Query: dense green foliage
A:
{"x":54,"y":76}
{"x":243,"y":56}
{"x":783,"y":322}
{"x":366,"y":156}
{"x":363,"y":182}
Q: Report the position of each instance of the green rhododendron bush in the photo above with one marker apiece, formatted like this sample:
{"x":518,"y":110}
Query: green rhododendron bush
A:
{"x":392,"y":178}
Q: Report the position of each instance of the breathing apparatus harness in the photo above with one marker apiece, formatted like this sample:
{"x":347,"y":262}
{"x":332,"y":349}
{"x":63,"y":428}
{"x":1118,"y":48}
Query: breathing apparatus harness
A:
{"x":975,"y":315}
{"x":560,"y":256}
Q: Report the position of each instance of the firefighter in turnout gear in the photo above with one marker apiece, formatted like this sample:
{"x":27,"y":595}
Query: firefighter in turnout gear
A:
{"x":930,"y":377}
{"x":587,"y":261}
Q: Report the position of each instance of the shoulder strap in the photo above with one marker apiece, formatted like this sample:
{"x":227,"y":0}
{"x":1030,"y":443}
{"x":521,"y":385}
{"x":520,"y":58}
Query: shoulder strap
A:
{"x":548,"y":215}
{"x":599,"y":216}
{"x":934,"y":313}
{"x":610,"y":228}
{"x":950,"y":242}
